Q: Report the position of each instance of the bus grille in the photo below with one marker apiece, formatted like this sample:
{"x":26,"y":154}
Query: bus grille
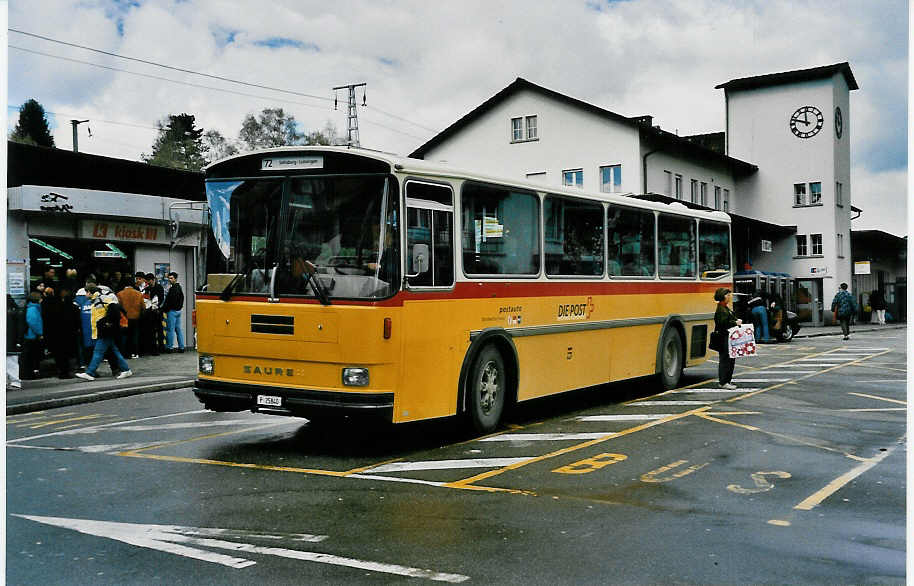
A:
{"x":272,"y":324}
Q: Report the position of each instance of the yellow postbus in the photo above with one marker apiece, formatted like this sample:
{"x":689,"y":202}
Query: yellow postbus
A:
{"x":345,"y":281}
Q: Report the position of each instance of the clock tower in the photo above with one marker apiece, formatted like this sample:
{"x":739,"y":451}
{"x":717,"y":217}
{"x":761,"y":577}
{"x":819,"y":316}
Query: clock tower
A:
{"x":795,"y":126}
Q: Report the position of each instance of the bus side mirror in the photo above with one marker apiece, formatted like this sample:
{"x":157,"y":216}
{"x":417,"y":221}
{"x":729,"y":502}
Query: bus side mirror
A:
{"x":419,"y":259}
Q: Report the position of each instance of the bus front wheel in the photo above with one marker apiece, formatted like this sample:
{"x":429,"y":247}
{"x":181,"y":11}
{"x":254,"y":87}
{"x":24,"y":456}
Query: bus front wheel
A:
{"x":671,"y":359}
{"x":486,"y":386}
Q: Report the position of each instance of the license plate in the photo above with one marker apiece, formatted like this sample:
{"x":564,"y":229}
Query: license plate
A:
{"x":269,"y":400}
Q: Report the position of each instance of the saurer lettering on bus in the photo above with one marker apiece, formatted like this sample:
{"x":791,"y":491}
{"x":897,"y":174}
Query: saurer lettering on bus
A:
{"x":267,"y":370}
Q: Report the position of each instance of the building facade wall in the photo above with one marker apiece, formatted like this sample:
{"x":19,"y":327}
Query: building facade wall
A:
{"x":758,"y":130}
{"x":659,"y":163}
{"x":567,"y":138}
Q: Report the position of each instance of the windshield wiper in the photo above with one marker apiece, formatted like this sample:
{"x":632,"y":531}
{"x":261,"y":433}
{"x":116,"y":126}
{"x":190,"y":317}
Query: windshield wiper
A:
{"x":316,"y":285}
{"x":227,"y":292}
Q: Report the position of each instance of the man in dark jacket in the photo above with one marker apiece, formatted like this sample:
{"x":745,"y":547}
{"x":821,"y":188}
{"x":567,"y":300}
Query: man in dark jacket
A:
{"x":173,"y":308}
{"x":156,"y":297}
{"x":61,"y":326}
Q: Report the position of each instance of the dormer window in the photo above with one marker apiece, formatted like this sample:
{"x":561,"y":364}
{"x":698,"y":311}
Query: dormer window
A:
{"x":523,"y":128}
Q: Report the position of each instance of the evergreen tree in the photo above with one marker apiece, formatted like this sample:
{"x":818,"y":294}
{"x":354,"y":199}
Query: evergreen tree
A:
{"x":32,"y":127}
{"x":179,"y":144}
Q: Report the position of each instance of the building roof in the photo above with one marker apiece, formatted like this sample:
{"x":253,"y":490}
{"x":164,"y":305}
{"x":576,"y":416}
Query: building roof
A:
{"x":799,"y":75}
{"x":642,"y":123}
{"x":51,"y":167}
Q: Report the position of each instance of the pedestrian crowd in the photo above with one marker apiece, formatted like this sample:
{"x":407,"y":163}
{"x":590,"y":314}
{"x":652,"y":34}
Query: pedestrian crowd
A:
{"x":80,"y":324}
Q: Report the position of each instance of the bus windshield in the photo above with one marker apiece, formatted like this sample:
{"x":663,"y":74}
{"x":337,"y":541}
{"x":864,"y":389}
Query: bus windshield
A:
{"x":264,"y":231}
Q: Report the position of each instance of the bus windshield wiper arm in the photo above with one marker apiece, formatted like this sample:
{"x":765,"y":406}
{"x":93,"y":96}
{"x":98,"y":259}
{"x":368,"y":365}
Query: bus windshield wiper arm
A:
{"x":319,"y":290}
{"x":227,"y":292}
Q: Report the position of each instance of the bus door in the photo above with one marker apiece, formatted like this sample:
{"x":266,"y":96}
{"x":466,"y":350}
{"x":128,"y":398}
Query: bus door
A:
{"x":432,"y":354}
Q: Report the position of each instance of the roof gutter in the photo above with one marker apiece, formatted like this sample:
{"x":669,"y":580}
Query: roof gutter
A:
{"x":644,"y":169}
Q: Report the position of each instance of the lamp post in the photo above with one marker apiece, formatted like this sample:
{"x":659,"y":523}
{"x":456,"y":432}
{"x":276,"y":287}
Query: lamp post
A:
{"x":76,"y":123}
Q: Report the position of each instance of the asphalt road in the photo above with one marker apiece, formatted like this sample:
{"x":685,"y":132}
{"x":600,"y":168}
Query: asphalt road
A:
{"x":797,"y":477}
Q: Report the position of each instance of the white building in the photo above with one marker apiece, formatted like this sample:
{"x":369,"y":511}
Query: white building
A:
{"x":781,"y":168}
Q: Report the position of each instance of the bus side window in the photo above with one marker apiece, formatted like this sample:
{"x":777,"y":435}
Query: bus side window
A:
{"x":677,"y":246}
{"x":631,"y":242}
{"x":429,"y":232}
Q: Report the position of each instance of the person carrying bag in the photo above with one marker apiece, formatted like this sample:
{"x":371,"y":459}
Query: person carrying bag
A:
{"x":724,"y":319}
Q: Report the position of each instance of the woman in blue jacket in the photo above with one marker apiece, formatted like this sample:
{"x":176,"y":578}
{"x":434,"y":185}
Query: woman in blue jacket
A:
{"x":34,"y":335}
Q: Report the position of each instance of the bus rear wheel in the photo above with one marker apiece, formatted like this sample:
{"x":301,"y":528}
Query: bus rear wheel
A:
{"x":671,"y":359}
{"x":487,"y":386}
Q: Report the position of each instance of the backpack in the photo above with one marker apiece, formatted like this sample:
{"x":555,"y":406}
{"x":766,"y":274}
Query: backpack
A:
{"x":115,"y":319}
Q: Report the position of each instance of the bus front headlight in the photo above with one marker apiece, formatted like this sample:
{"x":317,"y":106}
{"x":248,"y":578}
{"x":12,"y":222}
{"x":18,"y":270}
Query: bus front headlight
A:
{"x":355,"y":377}
{"x":207,"y":364}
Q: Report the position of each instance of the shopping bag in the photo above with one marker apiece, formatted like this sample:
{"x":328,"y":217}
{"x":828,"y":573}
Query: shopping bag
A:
{"x":741,"y":341}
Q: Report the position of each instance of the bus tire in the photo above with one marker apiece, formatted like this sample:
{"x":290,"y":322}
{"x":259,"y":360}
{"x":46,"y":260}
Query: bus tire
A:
{"x":486,"y":389}
{"x":671,"y":359}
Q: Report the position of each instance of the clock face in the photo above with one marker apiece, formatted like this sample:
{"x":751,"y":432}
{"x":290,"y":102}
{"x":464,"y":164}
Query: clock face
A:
{"x":839,"y":123}
{"x":806,"y":122}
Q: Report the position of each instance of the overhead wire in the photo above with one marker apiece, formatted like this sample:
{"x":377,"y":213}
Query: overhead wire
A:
{"x":200,"y":86}
{"x":217,"y":77}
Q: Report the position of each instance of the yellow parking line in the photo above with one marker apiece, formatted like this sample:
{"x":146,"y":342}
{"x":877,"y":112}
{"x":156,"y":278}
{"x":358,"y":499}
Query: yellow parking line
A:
{"x":587,"y":444}
{"x":66,"y":420}
{"x":879,"y":398}
{"x":791,"y":438}
{"x":832,"y":487}
{"x":779,"y":385}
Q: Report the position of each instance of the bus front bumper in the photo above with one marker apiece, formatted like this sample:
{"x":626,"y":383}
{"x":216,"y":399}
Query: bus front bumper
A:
{"x":229,"y":396}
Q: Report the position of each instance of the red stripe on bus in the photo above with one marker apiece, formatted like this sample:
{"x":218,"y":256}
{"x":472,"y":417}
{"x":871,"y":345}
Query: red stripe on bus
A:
{"x":484,"y":290}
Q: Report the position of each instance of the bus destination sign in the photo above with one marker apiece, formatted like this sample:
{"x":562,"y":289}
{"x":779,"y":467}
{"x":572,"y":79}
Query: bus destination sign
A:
{"x":283,"y":163}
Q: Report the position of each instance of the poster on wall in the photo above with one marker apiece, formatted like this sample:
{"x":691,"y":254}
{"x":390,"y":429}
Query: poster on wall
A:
{"x":16,"y":280}
{"x":162,"y":270}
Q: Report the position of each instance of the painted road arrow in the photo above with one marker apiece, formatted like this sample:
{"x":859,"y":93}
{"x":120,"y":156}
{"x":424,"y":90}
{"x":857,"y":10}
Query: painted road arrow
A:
{"x":177,"y":539}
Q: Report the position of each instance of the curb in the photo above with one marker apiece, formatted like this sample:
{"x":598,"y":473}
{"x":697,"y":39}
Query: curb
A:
{"x":95,"y":396}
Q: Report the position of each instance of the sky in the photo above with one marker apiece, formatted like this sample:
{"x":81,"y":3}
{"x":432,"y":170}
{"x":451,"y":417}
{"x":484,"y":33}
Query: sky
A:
{"x":426,"y":64}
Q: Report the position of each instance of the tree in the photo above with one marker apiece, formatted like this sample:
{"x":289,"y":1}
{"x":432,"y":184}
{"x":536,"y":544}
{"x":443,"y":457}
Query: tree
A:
{"x":272,"y":128}
{"x":327,"y":136}
{"x":217,"y":146}
{"x":32,"y":127}
{"x":179,"y":144}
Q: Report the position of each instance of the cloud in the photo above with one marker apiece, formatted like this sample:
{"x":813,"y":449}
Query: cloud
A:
{"x":432,"y":62}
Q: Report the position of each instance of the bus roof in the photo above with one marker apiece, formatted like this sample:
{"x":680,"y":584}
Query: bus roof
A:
{"x":420,"y":167}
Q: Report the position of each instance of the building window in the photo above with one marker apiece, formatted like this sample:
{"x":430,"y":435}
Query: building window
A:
{"x":840,"y":245}
{"x":801,"y":246}
{"x":717,"y":197}
{"x":668,"y":183}
{"x":799,"y":194}
{"x":839,"y":194}
{"x":726,"y":207}
{"x":816,"y":243}
{"x":704,"y":194}
{"x":573,"y":178}
{"x":531,"y":128}
{"x":611,"y":179}
{"x":815,"y":193}
{"x":517,"y":129}
{"x":677,"y":193}
{"x":694,"y":191}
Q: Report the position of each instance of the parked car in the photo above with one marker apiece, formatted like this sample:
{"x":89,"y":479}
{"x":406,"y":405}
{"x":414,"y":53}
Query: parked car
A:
{"x":789,"y":323}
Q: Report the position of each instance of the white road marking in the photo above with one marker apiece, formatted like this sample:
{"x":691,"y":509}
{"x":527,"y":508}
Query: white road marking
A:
{"x":792,"y":365}
{"x":168,"y":538}
{"x":96,"y":449}
{"x":633,"y":417}
{"x":546,"y":437}
{"x":822,"y":364}
{"x":446,"y":464}
{"x":188,"y":425}
{"x":661,"y":403}
{"x":884,"y":380}
{"x":95,"y":428}
{"x":795,"y":372}
{"x":737,"y":381}
{"x":739,"y":390}
{"x":830,"y":358}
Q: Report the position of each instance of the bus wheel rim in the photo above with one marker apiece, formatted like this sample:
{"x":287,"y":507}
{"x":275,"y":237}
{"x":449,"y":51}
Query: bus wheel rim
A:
{"x":670,"y":358}
{"x":488,"y":386}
